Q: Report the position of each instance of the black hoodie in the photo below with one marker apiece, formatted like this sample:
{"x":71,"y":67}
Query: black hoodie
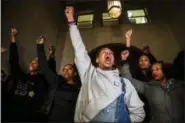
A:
{"x":60,"y":105}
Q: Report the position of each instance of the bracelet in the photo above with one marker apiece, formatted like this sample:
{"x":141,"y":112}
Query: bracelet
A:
{"x":72,"y":22}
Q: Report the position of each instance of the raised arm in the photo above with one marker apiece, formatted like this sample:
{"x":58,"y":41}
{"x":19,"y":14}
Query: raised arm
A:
{"x":82,"y":60}
{"x":126,"y":53}
{"x":48,"y":73}
{"x":13,"y":56}
{"x":51,"y":60}
{"x":125,"y":72}
{"x":128,"y":35}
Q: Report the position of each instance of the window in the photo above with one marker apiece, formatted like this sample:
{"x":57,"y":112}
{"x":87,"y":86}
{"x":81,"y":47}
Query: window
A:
{"x":107,"y":20}
{"x":138,"y":16}
{"x":85,"y":21}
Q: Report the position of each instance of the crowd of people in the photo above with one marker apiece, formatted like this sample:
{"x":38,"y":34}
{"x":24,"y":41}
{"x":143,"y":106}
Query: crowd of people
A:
{"x":87,"y":93}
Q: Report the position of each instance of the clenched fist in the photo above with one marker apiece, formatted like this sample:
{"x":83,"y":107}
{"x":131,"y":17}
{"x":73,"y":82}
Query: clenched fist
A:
{"x":40,"y":39}
{"x":13,"y":31}
{"x":69,"y":13}
{"x":124,"y":54}
{"x":146,"y":49}
{"x":128,"y":34}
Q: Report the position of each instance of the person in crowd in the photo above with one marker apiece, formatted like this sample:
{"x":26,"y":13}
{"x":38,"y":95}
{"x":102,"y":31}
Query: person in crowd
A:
{"x":29,"y":88}
{"x":178,"y":66}
{"x":165,"y":96}
{"x":104,"y":95}
{"x":145,"y":61}
{"x":64,"y":89}
{"x":143,"y":71}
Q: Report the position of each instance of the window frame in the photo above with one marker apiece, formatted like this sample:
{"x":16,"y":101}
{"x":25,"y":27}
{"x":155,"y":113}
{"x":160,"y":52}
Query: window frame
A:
{"x":145,"y":15}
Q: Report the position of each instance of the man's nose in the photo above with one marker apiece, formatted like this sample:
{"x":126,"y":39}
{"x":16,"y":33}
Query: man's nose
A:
{"x":66,"y":70}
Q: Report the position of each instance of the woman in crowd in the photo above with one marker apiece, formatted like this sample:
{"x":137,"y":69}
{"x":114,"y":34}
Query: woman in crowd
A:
{"x":28,"y":89}
{"x":61,"y":100}
{"x":142,"y":70}
{"x":145,"y":60}
{"x":165,"y":96}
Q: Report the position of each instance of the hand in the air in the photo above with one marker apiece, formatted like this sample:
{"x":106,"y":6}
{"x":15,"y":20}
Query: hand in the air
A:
{"x":128,"y":34}
{"x":124,"y":54}
{"x":69,"y":12}
{"x":40,"y":40}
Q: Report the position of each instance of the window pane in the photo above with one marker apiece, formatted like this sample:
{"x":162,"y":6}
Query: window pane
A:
{"x":85,"y":18}
{"x":106,"y":16}
{"x":85,"y":21}
{"x":138,"y":20}
{"x":135,"y":13}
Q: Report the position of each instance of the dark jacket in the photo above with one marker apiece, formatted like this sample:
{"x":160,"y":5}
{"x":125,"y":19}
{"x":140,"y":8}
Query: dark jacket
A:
{"x":166,"y":103}
{"x":61,"y":101}
{"x":28,"y":91}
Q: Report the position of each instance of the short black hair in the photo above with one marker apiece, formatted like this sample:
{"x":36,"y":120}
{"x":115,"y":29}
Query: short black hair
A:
{"x":99,"y":51}
{"x":73,"y":66}
{"x":165,"y":71}
{"x":160,"y":62}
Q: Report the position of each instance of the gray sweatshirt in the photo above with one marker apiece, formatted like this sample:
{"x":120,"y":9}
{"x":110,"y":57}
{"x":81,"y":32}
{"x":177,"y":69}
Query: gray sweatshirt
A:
{"x":99,"y":87}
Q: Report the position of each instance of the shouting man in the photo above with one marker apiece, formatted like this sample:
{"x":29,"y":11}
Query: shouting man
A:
{"x":104,"y":95}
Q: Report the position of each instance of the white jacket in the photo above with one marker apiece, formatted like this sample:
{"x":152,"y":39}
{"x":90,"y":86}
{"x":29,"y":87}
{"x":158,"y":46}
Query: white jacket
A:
{"x":100,"y":88}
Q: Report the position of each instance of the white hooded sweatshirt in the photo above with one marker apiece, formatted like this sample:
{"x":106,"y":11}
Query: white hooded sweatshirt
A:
{"x":99,"y":87}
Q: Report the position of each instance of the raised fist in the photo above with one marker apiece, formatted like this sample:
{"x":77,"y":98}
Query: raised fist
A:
{"x":69,"y":11}
{"x":51,"y":50}
{"x":124,"y":54}
{"x":146,"y":49}
{"x":41,"y":39}
{"x":13,"y":31}
{"x":128,"y":33}
{"x":3,"y":49}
